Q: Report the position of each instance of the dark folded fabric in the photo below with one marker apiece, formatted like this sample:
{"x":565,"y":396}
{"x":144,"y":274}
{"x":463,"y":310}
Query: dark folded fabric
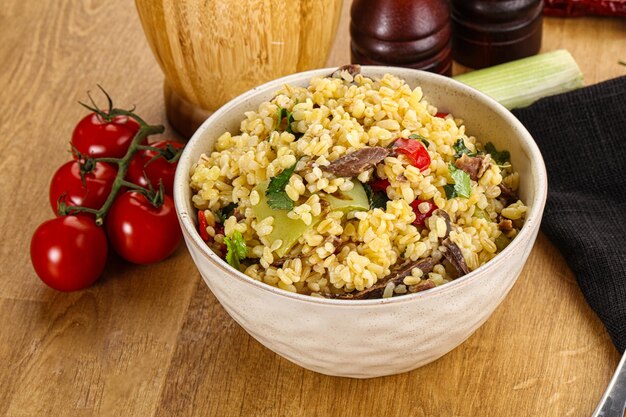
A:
{"x":582,"y":136}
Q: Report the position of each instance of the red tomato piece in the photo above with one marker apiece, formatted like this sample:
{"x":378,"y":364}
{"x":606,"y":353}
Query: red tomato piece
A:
{"x":69,"y":252}
{"x":420,"y":218}
{"x":66,"y":181}
{"x":379,"y":185}
{"x":442,"y":115}
{"x":155,"y":169}
{"x":414,"y":151}
{"x":202,"y":225}
{"x":94,"y":136}
{"x":140,"y":232}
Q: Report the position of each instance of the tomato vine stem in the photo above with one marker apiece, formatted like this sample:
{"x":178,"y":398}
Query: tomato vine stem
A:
{"x":145,"y":130}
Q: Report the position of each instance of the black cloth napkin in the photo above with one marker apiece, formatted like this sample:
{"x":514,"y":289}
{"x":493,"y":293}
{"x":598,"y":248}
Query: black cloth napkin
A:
{"x":582,"y":136}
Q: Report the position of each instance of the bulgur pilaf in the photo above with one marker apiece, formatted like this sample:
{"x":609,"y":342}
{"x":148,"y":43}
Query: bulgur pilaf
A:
{"x":355,"y":187}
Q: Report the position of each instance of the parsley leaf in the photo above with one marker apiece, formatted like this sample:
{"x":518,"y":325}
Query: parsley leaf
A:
{"x":421,"y":139}
{"x":450,"y":191}
{"x":281,"y":113}
{"x":280,"y":201}
{"x":501,"y":157}
{"x":236,"y":249}
{"x":460,"y":148}
{"x":462,"y":186}
{"x":289,"y":122}
{"x":280,"y":181}
{"x":377,"y":199}
{"x":277,"y":198}
{"x":225,"y":212}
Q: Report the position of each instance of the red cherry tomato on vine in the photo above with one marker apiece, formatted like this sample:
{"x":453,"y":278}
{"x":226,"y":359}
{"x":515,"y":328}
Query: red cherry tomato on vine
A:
{"x":94,"y":136}
{"x":414,"y":151}
{"x":155,"y":169}
{"x":420,"y":218}
{"x":69,"y":252}
{"x":66,"y":181}
{"x":140,"y":232}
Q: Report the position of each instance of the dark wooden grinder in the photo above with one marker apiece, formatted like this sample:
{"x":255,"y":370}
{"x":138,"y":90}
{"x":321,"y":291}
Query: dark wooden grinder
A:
{"x":490,"y":32}
{"x":406,"y":33}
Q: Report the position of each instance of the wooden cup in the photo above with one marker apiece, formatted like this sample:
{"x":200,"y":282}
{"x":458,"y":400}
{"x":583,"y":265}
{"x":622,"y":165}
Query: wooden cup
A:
{"x":213,"y":50}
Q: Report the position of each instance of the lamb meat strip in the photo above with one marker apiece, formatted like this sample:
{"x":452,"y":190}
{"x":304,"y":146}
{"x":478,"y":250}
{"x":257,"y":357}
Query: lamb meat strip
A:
{"x":422,"y":286}
{"x":354,"y":163}
{"x":352,"y":69}
{"x":508,"y":195}
{"x":396,"y":276}
{"x":475,"y":166}
{"x":454,"y":255}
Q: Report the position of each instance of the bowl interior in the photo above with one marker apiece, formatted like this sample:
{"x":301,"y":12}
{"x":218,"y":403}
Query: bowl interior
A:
{"x":483,"y":117}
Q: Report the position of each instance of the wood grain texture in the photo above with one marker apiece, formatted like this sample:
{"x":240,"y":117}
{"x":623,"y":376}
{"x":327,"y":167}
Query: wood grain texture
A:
{"x":153,"y":341}
{"x":213,"y":51}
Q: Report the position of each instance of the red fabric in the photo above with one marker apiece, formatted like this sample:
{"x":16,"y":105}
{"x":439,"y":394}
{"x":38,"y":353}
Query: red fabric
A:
{"x":572,"y":8}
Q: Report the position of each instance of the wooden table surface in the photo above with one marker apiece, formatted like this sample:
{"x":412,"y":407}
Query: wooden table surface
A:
{"x":153,"y":340}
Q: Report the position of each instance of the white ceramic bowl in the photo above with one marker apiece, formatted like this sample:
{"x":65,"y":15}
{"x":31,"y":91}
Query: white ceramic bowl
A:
{"x":370,"y":338}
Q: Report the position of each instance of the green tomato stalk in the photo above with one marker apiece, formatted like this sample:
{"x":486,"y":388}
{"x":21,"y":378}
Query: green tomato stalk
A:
{"x":156,"y":197}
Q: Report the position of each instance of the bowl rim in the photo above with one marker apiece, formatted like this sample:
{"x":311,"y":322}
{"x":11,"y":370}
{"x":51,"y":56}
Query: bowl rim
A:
{"x":532,"y":222}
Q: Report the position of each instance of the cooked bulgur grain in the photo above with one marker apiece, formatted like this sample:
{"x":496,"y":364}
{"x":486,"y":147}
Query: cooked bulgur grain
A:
{"x":317,"y":233}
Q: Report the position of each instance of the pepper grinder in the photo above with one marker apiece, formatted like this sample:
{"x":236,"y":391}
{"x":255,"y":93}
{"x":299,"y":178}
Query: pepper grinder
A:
{"x":406,"y":33}
{"x":490,"y":32}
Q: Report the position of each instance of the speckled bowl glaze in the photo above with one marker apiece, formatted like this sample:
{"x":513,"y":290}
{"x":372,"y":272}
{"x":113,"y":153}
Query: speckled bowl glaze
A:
{"x":371,"y":338}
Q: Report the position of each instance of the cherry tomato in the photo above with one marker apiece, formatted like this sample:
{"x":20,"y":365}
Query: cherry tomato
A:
{"x":140,"y":232}
{"x":414,"y":151}
{"x":69,"y":252}
{"x":420,"y":218}
{"x":155,"y":169}
{"x":66,"y":181}
{"x":94,"y":136}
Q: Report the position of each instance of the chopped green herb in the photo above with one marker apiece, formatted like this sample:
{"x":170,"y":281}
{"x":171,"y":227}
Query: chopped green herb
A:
{"x":280,"y":201}
{"x":460,"y":148}
{"x":501,"y":157}
{"x":289,"y":122}
{"x":281,"y":113}
{"x":450,"y":191}
{"x":377,"y":199}
{"x":461,"y":186}
{"x":420,"y":138}
{"x":225,"y":212}
{"x":236,"y":249}
{"x":277,"y":198}
{"x":280,"y":181}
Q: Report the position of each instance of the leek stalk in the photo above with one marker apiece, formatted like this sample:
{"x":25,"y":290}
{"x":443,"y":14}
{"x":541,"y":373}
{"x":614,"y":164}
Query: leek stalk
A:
{"x":522,"y":82}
